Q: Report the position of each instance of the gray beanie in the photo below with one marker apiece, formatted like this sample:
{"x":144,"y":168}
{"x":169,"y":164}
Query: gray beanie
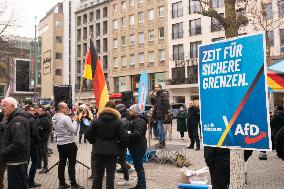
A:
{"x":135,"y":108}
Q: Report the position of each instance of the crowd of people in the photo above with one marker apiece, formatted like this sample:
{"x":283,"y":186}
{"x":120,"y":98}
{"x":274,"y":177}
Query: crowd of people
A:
{"x":25,"y":136}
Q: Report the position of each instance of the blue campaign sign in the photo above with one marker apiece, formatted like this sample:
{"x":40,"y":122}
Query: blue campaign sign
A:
{"x":143,"y":90}
{"x":233,"y":93}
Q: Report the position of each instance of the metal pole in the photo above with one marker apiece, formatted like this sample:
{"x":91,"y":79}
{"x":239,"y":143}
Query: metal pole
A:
{"x":35,"y":62}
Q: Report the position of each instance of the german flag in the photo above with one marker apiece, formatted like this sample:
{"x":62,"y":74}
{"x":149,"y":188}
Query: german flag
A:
{"x":94,"y":71}
{"x":275,"y":81}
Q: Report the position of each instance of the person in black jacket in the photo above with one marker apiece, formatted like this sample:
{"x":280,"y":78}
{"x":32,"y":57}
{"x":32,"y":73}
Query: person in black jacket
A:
{"x":34,"y":141}
{"x":137,"y":144}
{"x":45,"y":125}
{"x":104,"y":133}
{"x":193,"y":119}
{"x":160,"y":100}
{"x":15,"y":143}
{"x":2,"y":164}
{"x":122,"y":147}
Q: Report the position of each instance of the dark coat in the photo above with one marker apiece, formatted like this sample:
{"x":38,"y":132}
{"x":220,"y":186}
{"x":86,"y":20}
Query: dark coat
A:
{"x":161,"y":105}
{"x":34,"y":129}
{"x":181,"y":121}
{"x":138,"y":128}
{"x":106,"y":131}
{"x":193,"y":117}
{"x":45,"y":125}
{"x":15,"y":138}
{"x":276,"y":123}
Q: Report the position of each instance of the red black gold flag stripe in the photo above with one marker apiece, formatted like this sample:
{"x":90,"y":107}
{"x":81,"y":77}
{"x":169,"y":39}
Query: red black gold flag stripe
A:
{"x":94,"y":71}
{"x":275,"y":81}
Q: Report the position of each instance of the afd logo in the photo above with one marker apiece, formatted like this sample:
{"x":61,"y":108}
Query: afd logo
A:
{"x":251,"y":131}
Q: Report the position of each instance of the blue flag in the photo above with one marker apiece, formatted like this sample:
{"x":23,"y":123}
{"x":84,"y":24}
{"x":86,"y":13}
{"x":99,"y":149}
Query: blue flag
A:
{"x":143,"y":90}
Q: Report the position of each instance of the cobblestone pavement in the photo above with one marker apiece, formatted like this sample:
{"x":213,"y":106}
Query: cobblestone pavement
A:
{"x":261,"y":174}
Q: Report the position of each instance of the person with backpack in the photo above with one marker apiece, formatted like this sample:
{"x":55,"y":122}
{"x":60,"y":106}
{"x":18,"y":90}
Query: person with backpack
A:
{"x":34,"y":147}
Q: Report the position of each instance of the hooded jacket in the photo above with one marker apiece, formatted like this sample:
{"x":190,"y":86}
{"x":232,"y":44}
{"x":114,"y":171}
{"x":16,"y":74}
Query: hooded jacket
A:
{"x":64,"y":128}
{"x":44,"y":124}
{"x":106,"y":131}
{"x":15,"y":139}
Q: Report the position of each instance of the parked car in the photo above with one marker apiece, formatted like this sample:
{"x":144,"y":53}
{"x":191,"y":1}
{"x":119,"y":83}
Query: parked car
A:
{"x":174,"y":108}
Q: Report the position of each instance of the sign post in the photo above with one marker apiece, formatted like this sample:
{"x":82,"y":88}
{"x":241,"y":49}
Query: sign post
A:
{"x":233,"y":93}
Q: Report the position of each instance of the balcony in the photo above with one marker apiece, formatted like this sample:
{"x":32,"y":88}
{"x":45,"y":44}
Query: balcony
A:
{"x":180,"y":81}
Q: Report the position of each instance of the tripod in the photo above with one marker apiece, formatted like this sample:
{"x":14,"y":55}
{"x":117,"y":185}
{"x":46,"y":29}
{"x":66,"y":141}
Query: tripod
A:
{"x":57,"y":163}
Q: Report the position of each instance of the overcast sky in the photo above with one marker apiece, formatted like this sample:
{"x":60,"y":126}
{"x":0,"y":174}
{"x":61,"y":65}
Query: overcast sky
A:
{"x":26,"y":10}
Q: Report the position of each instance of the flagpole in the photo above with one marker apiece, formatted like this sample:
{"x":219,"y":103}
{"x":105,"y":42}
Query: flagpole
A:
{"x":81,"y":84}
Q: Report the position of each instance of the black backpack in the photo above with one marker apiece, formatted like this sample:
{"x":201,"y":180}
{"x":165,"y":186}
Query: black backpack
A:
{"x":279,"y":143}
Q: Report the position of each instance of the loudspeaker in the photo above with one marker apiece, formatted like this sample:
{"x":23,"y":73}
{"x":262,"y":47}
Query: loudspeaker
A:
{"x":62,"y":93}
{"x":127,"y":98}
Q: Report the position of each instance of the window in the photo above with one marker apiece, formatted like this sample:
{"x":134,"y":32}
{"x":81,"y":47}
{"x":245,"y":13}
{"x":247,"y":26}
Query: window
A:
{"x":123,"y":5}
{"x":151,"y":35}
{"x":58,"y":55}
{"x":58,"y":72}
{"x":131,"y":20}
{"x":115,"y":62}
{"x":281,"y":8}
{"x":123,"y":22}
{"x":78,"y":34}
{"x":131,"y":3}
{"x":58,"y":24}
{"x":271,"y":38}
{"x":178,"y":53}
{"x":218,"y":39}
{"x":115,"y":24}
{"x":132,"y":59}
{"x":91,"y":30}
{"x":151,"y":56}
{"x":98,"y":14}
{"x":194,"y":49}
{"x":58,"y":39}
{"x":105,"y":12}
{"x":115,"y":7}
{"x":161,"y":11}
{"x":161,"y":33}
{"x":195,"y":27}
{"x":85,"y":49}
{"x":194,"y":6}
{"x":268,"y":11}
{"x":151,"y":14}
{"x":105,"y":46}
{"x":85,"y":18}
{"x":78,"y":66}
{"x":98,"y":46}
{"x":91,"y":16}
{"x":178,"y":75}
{"x":85,"y":33}
{"x":162,"y":54}
{"x":140,"y":17}
{"x":78,"y":20}
{"x":141,"y":58}
{"x":216,"y":25}
{"x":177,"y":10}
{"x":123,"y":61}
{"x":98,"y":29}
{"x":78,"y":50}
{"x":131,"y":39}
{"x":123,"y":41}
{"x":192,"y":73}
{"x":177,"y":30}
{"x":217,"y":3}
{"x":105,"y":62}
{"x":282,"y":37}
{"x":141,"y":37}
{"x":105,"y":27}
{"x":115,"y":43}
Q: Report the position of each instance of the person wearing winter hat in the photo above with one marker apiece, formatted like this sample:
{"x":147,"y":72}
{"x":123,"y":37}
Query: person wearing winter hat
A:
{"x":137,"y":142}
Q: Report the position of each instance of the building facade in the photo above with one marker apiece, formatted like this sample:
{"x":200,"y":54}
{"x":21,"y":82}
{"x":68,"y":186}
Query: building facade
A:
{"x":51,"y":33}
{"x":91,"y":22}
{"x":138,"y":41}
{"x":188,"y":30}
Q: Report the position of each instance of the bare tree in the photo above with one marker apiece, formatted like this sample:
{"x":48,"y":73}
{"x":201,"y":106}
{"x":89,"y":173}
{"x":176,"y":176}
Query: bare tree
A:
{"x":8,"y":17}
